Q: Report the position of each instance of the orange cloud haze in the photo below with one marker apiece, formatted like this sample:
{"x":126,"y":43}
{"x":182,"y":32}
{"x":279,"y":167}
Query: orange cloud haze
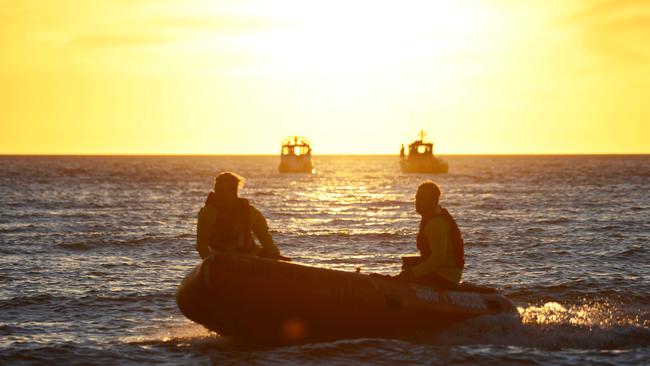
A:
{"x":235,"y":77}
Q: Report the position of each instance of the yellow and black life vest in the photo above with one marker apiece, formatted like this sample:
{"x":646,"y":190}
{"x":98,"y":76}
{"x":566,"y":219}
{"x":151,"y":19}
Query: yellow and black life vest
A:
{"x":458,"y":245}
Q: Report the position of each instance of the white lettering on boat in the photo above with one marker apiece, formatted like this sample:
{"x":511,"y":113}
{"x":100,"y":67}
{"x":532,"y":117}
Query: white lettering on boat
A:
{"x":467,"y":300}
{"x":426,"y":294}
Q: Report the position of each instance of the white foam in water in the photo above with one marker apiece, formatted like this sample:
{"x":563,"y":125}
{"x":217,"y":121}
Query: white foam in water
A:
{"x":591,"y":325}
{"x":186,"y":332}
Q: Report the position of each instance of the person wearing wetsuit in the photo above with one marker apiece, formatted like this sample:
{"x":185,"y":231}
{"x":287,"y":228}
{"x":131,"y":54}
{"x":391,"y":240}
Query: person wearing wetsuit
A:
{"x":226,"y":223}
{"x":439,"y":241}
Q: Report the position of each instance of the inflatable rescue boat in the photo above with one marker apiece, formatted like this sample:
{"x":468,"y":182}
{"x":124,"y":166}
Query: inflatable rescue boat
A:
{"x":281,"y":302}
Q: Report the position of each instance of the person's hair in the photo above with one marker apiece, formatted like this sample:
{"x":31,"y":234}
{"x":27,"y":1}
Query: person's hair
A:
{"x":229,"y":179}
{"x":431,"y":187}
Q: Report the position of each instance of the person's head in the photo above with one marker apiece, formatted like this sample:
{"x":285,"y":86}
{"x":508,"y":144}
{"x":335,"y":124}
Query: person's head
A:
{"x":226,"y":185}
{"x":427,"y":197}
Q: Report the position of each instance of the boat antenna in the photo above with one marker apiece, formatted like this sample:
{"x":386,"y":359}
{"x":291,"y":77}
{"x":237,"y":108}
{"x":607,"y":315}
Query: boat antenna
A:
{"x":422,"y":135}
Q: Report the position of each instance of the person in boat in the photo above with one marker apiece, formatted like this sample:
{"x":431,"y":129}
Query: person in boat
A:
{"x":439,"y":241}
{"x":226,"y":223}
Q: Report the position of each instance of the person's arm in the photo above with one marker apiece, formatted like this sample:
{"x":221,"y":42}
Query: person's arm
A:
{"x":436,"y":232}
{"x":205,"y":230}
{"x":261,"y":230}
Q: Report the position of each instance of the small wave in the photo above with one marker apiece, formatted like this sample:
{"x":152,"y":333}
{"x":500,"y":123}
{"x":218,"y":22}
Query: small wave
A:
{"x":134,"y":299}
{"x":534,"y":230}
{"x":19,"y":301}
{"x":16,"y":228}
{"x":74,"y":246}
{"x":6,"y":329}
{"x":387,"y":203}
{"x":264,"y":193}
{"x":608,"y":228}
{"x":471,"y":177}
{"x":344,"y":221}
{"x":631,"y":252}
{"x":489,"y":206}
{"x":73,"y":171}
{"x":94,"y":204}
{"x":555,"y":221}
{"x":568,"y":289}
{"x":358,"y":351}
{"x":105,"y":242}
{"x":358,"y":236}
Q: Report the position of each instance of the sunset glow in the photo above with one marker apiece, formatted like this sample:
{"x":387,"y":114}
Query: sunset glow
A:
{"x":236,"y":77}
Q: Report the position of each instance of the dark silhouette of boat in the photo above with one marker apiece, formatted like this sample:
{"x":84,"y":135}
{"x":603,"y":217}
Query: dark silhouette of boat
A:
{"x":420,"y":158}
{"x":295,"y":156}
{"x":279,"y":302}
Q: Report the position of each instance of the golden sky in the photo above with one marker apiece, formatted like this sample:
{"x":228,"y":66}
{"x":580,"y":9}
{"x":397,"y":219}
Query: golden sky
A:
{"x":236,"y":77}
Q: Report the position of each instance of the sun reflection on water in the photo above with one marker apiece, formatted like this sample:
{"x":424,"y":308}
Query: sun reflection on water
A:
{"x":588,"y":314}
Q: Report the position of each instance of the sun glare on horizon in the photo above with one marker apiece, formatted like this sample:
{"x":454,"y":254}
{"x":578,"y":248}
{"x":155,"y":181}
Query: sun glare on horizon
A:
{"x":236,"y":77}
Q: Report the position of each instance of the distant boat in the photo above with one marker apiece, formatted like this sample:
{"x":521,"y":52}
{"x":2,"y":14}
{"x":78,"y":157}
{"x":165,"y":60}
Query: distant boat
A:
{"x":295,"y":156}
{"x":420,"y":158}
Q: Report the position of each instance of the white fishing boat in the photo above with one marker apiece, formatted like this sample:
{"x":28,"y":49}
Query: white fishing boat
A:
{"x":420,"y":158}
{"x":295,"y":156}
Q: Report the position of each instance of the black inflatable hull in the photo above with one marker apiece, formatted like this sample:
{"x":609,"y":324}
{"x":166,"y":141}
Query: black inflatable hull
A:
{"x":282,"y":302}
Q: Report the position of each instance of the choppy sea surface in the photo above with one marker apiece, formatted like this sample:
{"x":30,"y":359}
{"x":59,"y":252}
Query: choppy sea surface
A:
{"x":93,"y":248}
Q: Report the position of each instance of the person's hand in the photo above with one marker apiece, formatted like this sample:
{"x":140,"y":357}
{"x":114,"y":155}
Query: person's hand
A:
{"x":261,"y":252}
{"x":283,"y":258}
{"x":406,"y":274}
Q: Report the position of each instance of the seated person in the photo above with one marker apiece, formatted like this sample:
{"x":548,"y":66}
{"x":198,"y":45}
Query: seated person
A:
{"x":439,"y":241}
{"x":226,"y":222}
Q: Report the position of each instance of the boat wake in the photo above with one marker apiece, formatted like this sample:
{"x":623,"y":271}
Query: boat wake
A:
{"x":185,"y":333}
{"x":592,"y":325}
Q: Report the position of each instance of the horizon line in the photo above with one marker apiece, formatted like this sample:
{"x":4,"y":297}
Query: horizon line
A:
{"x":315,"y":155}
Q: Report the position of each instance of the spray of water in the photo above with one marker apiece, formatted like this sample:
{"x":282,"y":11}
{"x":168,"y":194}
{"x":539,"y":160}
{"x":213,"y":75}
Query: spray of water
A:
{"x":587,"y":325}
{"x":176,"y":333}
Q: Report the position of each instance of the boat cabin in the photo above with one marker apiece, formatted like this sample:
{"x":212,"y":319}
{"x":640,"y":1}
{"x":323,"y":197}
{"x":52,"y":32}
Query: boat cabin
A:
{"x":295,"y":146}
{"x":419,"y":148}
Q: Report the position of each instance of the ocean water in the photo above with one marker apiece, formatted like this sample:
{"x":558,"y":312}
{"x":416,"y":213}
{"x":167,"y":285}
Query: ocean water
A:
{"x":93,"y":248}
